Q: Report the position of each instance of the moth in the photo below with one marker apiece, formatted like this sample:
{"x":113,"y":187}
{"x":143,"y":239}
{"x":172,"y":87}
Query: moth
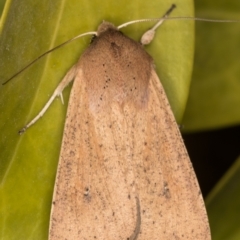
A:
{"x":123,"y":172}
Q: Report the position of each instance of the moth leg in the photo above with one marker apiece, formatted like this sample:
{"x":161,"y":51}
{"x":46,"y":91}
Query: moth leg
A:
{"x":148,"y":36}
{"x":58,"y":92}
{"x":136,"y":232}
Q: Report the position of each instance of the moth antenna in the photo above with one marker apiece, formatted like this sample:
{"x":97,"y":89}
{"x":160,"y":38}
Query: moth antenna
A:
{"x":204,"y":19}
{"x":39,"y":57}
{"x":179,"y":18}
{"x":149,"y":35}
{"x":146,"y":38}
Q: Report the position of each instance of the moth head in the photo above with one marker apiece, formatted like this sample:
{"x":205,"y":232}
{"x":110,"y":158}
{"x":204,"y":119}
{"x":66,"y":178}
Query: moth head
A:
{"x":105,"y":26}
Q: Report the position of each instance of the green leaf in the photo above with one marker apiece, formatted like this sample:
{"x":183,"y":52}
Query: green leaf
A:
{"x":28,"y":29}
{"x":2,"y":3}
{"x":223,"y":205}
{"x":214,"y":97}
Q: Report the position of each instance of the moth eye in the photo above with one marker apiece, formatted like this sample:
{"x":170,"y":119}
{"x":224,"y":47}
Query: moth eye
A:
{"x":93,"y":38}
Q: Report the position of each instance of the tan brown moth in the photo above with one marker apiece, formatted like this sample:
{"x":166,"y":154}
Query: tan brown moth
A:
{"x":123,"y":172}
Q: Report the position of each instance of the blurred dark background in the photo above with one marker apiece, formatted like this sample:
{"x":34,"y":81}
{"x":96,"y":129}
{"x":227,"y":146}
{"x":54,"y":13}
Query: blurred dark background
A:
{"x":212,"y":153}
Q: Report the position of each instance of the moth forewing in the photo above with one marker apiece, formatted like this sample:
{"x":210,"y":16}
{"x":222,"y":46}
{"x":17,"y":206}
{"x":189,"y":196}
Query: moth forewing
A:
{"x":123,"y":172}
